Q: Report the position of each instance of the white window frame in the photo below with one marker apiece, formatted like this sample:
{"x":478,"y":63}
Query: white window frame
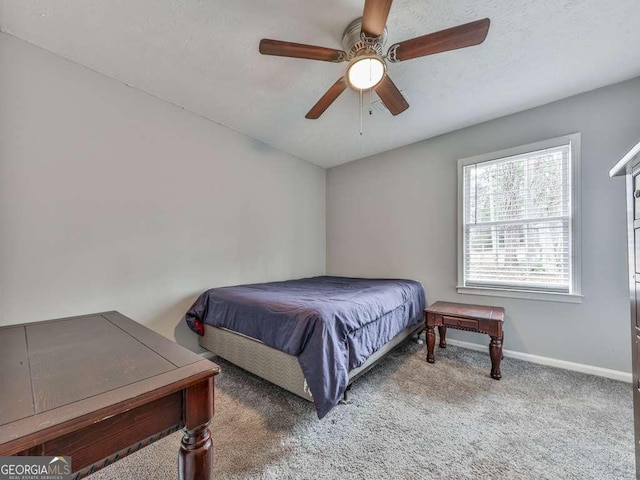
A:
{"x":575,"y":294}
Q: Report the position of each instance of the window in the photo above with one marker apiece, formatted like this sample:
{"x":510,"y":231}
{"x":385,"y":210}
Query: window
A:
{"x":519,"y":222}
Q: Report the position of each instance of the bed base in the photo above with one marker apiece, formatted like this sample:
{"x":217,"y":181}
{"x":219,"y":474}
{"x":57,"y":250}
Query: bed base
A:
{"x":281,"y":368}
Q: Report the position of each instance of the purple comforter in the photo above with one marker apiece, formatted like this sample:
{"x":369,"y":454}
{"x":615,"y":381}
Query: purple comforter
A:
{"x":332,"y":324}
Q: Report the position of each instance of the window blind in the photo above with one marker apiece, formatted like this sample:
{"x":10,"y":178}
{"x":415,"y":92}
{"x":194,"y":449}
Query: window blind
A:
{"x":517,"y":221}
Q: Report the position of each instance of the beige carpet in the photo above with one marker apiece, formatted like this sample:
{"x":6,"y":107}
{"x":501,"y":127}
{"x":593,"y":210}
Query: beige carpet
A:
{"x":409,"y":419}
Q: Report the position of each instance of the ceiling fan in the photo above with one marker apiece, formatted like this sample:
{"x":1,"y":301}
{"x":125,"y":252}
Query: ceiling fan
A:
{"x":363,"y":40}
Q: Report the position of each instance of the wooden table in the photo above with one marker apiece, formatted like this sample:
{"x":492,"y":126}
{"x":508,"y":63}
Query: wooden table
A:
{"x":99,"y":387}
{"x":474,"y":318}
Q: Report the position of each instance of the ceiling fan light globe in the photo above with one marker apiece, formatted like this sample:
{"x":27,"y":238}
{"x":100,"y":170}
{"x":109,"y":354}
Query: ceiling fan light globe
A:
{"x":365,"y":72}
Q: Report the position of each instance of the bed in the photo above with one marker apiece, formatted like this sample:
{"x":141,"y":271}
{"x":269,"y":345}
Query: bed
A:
{"x":312,"y":336}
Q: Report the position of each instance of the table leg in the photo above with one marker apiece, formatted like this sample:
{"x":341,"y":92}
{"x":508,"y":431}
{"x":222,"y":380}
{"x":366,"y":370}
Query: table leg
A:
{"x":195,"y":457}
{"x":431,"y":344}
{"x":442,"y":330}
{"x":495,"y":351}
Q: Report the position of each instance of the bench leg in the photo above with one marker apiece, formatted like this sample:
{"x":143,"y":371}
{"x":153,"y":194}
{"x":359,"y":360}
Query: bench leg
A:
{"x":195,"y":456}
{"x":442,"y":330}
{"x":495,"y":351}
{"x":431,"y":344}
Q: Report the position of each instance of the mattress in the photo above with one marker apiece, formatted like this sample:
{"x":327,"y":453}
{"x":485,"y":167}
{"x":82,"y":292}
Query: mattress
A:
{"x":331,"y":324}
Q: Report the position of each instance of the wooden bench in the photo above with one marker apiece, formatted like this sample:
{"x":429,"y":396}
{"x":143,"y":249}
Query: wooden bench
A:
{"x":473,"y":318}
{"x":99,"y":387}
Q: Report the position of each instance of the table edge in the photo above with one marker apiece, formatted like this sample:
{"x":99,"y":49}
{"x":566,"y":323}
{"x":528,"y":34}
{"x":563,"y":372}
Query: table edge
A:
{"x":88,"y":411}
{"x":492,"y":310}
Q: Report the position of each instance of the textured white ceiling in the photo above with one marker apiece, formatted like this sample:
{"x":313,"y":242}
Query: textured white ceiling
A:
{"x":203,"y":55}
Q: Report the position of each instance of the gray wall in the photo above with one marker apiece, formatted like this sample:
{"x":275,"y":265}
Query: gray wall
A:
{"x":394,"y":214}
{"x":113,"y":199}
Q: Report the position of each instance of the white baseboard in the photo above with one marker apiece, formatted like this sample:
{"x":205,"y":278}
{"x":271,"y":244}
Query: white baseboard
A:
{"x":551,"y":362}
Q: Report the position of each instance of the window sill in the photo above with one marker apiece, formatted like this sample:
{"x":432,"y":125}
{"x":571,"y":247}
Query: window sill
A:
{"x":525,"y":294}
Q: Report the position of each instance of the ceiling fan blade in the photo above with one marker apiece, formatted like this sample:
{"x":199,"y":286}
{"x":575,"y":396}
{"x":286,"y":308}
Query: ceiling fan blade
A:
{"x":453,"y":38}
{"x":374,"y":17}
{"x":391,"y":96}
{"x":327,"y":99}
{"x":300,"y":50}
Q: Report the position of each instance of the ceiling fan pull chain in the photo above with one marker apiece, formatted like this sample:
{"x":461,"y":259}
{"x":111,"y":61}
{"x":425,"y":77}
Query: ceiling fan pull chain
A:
{"x":361,"y":106}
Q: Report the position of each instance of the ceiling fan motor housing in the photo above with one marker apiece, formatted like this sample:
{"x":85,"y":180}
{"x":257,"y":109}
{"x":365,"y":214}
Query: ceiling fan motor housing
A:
{"x":357,"y":44}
